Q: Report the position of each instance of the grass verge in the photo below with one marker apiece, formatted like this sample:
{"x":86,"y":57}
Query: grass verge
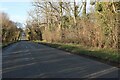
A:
{"x":108,"y":56}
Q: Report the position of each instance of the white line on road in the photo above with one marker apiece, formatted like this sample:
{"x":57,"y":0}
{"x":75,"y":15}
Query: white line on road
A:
{"x":100,"y":73}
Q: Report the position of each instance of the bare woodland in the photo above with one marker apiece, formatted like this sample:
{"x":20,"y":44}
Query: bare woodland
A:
{"x":10,"y":31}
{"x":69,"y":22}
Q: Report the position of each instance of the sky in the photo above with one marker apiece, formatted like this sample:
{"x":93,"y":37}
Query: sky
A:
{"x":17,"y":11}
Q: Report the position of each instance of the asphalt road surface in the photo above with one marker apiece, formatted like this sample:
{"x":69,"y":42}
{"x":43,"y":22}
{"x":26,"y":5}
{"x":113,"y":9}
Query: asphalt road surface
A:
{"x":31,"y":60}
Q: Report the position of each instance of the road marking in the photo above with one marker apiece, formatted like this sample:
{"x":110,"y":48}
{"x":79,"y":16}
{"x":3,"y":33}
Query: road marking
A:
{"x":100,"y":73}
{"x":19,"y":66}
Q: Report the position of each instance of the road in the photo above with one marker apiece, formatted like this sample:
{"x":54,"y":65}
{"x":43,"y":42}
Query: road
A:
{"x":31,"y":60}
